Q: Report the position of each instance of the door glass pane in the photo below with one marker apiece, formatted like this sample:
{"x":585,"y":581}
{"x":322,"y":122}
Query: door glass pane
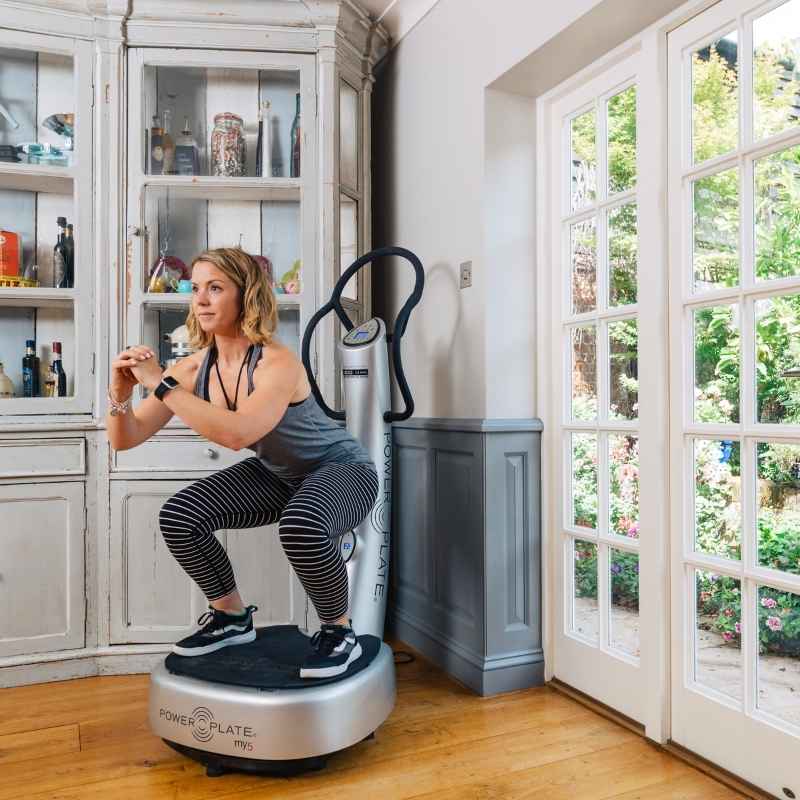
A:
{"x":348,"y":242}
{"x":777,"y":214}
{"x":778,"y":520}
{"x":776,"y":70}
{"x":583,"y":246}
{"x":623,"y":255}
{"x":585,"y":620}
{"x":715,"y":98}
{"x":716,"y":364}
{"x":623,"y":483}
{"x":779,"y":654}
{"x":181,"y":223}
{"x":717,"y":498}
{"x":44,"y":326}
{"x":718,"y":628}
{"x":221,"y":121}
{"x":348,"y":135}
{"x":623,"y":348}
{"x":584,"y":373}
{"x":583,"y":161}
{"x":38,"y":108}
{"x":716,"y":230}
{"x":584,"y":480}
{"x":623,"y":622}
{"x":622,"y":141}
{"x":777,"y":357}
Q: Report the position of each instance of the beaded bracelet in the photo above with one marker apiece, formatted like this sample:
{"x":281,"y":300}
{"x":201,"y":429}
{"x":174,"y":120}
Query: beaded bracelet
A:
{"x":116,"y":408}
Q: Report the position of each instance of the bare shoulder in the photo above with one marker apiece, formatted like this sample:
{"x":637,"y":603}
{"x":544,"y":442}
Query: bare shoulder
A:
{"x":185,"y":371}
{"x":280,"y":364}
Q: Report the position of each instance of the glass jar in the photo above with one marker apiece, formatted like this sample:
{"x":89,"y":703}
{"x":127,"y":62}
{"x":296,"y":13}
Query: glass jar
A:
{"x":228,"y":147}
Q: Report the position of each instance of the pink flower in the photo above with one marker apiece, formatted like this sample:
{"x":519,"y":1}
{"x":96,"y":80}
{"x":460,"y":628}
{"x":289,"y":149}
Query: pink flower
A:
{"x":774,"y":623}
{"x":727,"y":636}
{"x":728,"y":612}
{"x":768,"y":602}
{"x":738,"y":627}
{"x":704,"y":596}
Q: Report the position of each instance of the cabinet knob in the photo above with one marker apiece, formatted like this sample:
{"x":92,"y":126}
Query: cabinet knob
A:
{"x":211,"y":452}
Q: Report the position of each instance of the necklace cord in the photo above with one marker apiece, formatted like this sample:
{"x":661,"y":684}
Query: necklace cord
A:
{"x":222,"y":385}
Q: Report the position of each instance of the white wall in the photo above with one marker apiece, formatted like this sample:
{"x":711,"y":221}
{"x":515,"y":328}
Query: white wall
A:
{"x":436,"y":195}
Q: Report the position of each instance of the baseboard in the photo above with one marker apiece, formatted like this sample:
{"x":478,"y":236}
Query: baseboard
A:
{"x":485,"y":676}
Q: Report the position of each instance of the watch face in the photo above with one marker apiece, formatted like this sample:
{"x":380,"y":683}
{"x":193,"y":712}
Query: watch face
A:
{"x":172,"y":382}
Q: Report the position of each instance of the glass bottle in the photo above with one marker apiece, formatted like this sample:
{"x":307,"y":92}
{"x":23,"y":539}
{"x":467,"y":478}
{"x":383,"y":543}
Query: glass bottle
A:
{"x":156,"y":147}
{"x":6,"y":385}
{"x":168,"y":145}
{"x":57,"y":370}
{"x":228,"y":148}
{"x":30,"y":370}
{"x":69,"y":247}
{"x":186,"y":160}
{"x":60,"y":256}
{"x":296,"y":136}
{"x":276,"y":155}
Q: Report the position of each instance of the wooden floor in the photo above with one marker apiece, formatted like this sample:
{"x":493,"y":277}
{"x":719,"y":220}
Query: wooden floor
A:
{"x":88,"y":739}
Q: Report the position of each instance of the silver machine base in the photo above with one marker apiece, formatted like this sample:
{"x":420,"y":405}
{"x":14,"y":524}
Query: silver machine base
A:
{"x":272,"y":731}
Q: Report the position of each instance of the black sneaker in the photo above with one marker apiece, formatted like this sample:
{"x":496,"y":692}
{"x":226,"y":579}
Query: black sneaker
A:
{"x":219,"y":630}
{"x":335,"y":647}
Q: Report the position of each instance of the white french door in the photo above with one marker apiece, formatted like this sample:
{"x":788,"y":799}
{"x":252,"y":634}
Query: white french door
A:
{"x":734,"y":233}
{"x":604,"y":389}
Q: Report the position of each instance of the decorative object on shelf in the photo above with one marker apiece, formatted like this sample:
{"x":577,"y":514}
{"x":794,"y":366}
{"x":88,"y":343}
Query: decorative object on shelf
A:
{"x":228,"y":146}
{"x":30,"y":370}
{"x":186,"y":156}
{"x":13,"y":282}
{"x":62,"y":274}
{"x":6,"y":385}
{"x":266,"y":265}
{"x":168,"y":145}
{"x":10,"y":254}
{"x":295,"y":139}
{"x":184,"y":286}
{"x":63,"y":125}
{"x":179,"y":345}
{"x":69,"y":246}
{"x":166,"y":274}
{"x":8,"y":152}
{"x":290,"y":282}
{"x":275,"y":156}
{"x":43,"y":153}
{"x":156,"y":147}
{"x":31,"y":275}
{"x":262,"y":144}
{"x":57,"y":370}
{"x":8,"y":117}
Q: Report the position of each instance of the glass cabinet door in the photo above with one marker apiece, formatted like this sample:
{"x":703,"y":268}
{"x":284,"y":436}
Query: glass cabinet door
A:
{"x":46,"y":264}
{"x":222,"y":154}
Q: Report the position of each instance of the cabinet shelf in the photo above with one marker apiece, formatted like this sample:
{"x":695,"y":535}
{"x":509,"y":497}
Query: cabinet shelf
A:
{"x":177,"y":299}
{"x":36,"y":178}
{"x":214,"y":188}
{"x":36,"y":298}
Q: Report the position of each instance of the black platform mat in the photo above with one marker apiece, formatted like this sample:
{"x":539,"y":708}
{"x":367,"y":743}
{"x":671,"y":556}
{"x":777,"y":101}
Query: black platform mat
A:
{"x":272,"y":661}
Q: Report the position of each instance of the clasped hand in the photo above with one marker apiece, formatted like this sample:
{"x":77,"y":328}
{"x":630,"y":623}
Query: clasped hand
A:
{"x":138,"y":364}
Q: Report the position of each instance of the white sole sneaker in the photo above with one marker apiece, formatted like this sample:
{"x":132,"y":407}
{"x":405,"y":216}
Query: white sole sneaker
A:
{"x":242,"y":638}
{"x":338,"y":669}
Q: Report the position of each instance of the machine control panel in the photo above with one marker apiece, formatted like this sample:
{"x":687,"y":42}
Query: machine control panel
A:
{"x":363,"y":334}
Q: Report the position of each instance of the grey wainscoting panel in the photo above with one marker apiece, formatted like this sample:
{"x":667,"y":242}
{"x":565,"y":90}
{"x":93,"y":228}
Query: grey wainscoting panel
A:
{"x":467,"y":548}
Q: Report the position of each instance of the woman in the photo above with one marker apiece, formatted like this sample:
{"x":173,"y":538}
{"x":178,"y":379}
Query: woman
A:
{"x":243,"y":389}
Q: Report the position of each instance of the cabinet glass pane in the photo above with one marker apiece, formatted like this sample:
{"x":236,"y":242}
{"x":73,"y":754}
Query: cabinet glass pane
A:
{"x":715,"y":98}
{"x":776,"y":70}
{"x":222,"y":121}
{"x":30,"y":231}
{"x":348,"y":242}
{"x":37,"y":108}
{"x":163,"y":330}
{"x":348,"y":135}
{"x":181,"y":223}
{"x":45,"y":326}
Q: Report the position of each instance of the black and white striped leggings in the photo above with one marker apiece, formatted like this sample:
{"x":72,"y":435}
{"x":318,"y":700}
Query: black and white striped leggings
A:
{"x":330,"y":501}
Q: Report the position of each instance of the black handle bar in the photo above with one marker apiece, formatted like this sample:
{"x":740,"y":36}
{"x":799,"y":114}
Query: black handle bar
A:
{"x":334,"y":304}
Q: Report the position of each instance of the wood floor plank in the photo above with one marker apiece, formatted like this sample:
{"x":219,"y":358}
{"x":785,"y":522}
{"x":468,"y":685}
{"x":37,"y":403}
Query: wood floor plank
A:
{"x":40,"y":744}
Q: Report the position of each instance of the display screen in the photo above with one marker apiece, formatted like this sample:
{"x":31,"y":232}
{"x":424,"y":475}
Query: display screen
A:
{"x":358,"y":335}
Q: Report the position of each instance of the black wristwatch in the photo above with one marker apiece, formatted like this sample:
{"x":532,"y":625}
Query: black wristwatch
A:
{"x":167,"y":383}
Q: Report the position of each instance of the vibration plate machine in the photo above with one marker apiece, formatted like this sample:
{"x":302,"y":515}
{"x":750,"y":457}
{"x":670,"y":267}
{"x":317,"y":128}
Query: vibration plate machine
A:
{"x":245,"y":708}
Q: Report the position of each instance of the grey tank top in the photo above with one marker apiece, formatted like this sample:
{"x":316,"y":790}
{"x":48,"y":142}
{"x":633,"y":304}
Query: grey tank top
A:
{"x":304,"y":439}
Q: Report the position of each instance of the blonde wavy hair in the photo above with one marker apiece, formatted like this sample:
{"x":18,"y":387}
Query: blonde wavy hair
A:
{"x":258,"y":316}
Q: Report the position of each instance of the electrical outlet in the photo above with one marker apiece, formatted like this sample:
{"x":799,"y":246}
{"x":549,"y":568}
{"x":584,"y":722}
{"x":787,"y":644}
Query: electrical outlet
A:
{"x":466,"y":274}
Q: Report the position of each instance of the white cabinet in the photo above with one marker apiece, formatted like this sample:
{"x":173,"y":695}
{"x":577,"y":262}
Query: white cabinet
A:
{"x":42,"y":592}
{"x":153,"y":600}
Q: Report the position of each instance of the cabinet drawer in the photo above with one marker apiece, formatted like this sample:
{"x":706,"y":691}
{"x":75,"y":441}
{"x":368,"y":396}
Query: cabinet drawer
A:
{"x":177,"y":454}
{"x":33,"y":458}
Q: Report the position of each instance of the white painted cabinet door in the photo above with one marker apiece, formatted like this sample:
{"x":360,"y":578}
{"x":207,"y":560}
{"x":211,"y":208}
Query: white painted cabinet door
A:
{"x":42,"y":567}
{"x":152,"y":598}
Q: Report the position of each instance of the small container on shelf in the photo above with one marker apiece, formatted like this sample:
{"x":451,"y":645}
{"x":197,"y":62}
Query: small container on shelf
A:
{"x":10,"y":254}
{"x":296,"y":137}
{"x":228,"y":146}
{"x":187,"y":161}
{"x":30,"y":370}
{"x":6,"y":385}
